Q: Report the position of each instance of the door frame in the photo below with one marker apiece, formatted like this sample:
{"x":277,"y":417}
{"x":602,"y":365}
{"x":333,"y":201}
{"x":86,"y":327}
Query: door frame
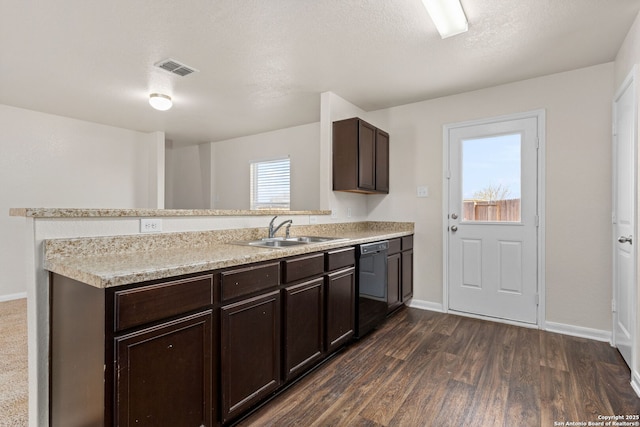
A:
{"x":539,"y":115}
{"x":629,"y":81}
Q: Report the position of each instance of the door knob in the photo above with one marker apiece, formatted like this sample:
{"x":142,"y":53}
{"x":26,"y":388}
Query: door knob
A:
{"x":454,"y":228}
{"x":623,"y":239}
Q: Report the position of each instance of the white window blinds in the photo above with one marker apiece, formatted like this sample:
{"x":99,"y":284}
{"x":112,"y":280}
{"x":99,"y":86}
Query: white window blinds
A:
{"x":271,"y":184}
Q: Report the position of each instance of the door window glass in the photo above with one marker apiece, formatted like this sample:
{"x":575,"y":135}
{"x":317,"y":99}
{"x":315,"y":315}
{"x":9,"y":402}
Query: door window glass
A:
{"x":491,"y":178}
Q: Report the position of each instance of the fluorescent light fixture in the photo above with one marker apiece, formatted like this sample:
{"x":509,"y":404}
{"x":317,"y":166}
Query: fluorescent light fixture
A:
{"x":160,"y":101}
{"x":448,"y":16}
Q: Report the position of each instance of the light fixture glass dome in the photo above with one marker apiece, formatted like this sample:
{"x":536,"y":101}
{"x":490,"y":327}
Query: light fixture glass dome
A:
{"x":160,"y":101}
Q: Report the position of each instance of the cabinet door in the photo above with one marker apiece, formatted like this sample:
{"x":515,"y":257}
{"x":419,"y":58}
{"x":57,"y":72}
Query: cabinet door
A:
{"x":250,"y":352}
{"x":393,"y":281}
{"x":340,"y":308}
{"x":164,"y":374}
{"x":382,"y":161}
{"x":407,"y":275}
{"x":303,"y":326}
{"x":366,"y":156}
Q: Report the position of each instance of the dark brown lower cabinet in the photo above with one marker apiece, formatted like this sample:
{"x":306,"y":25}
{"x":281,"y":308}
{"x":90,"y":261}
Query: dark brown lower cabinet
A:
{"x":163,"y":374}
{"x":340,"y":307}
{"x":303,"y":326}
{"x":394,"y":281}
{"x":203,"y":349}
{"x":250,"y":352}
{"x":407,"y":275}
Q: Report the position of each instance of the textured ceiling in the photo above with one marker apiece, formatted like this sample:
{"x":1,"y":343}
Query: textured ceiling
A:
{"x":263,"y":64}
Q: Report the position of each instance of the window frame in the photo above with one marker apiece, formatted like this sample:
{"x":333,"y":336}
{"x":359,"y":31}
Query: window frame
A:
{"x":274,"y":171}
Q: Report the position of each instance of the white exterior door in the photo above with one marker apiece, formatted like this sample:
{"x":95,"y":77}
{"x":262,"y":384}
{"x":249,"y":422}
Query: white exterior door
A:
{"x":624,"y":178}
{"x":492,"y":219}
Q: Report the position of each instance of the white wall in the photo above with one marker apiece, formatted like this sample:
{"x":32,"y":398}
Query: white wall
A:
{"x":231,"y":160}
{"x":578,"y":176}
{"x":53,"y":161}
{"x":216,"y":175}
{"x":629,"y":53}
{"x":188,"y":177}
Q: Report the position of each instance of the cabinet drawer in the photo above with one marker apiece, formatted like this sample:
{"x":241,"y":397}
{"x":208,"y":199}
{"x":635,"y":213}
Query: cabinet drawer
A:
{"x":407,"y":243}
{"x":303,"y":267}
{"x":244,"y":281}
{"x":340,"y":258}
{"x":394,"y":246}
{"x":134,"y":307}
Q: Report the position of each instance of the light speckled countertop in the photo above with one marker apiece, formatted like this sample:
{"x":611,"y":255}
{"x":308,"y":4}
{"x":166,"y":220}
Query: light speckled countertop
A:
{"x":113,"y":261}
{"x":121,"y":213}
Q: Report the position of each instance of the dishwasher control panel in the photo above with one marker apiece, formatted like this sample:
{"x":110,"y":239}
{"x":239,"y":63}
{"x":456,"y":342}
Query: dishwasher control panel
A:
{"x":374,"y":247}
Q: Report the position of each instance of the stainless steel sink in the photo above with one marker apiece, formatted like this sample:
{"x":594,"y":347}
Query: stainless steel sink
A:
{"x":310,"y":239}
{"x":273,"y":243}
{"x":284,"y":242}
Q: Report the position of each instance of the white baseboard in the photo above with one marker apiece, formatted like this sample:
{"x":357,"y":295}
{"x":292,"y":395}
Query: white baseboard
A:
{"x":635,"y":382}
{"x":426,"y":305}
{"x":579,"y":331}
{"x":12,"y":296}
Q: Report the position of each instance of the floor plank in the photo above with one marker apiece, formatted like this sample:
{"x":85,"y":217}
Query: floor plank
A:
{"x":489,"y":403}
{"x":476,"y":351}
{"x":424,"y":368}
{"x":523,"y":402}
{"x":591,"y":398}
{"x":557,"y":397}
{"x":552,"y":351}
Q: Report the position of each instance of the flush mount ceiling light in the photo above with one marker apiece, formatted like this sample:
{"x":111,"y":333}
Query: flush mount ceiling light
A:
{"x":160,"y":101}
{"x":448,"y":16}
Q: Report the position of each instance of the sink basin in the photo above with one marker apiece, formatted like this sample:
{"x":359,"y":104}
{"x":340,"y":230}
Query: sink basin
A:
{"x":284,"y":242}
{"x":310,"y":239}
{"x":273,"y":243}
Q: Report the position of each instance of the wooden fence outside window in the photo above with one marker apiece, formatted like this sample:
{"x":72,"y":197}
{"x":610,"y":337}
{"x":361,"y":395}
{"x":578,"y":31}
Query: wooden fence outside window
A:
{"x":495,"y":210}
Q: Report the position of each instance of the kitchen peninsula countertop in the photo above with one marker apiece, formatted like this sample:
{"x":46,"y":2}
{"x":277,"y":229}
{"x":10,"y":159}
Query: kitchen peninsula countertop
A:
{"x":122,"y":213}
{"x":105,"y":262}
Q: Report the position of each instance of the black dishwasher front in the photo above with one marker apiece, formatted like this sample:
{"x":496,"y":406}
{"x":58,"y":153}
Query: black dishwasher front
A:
{"x":371,"y":286}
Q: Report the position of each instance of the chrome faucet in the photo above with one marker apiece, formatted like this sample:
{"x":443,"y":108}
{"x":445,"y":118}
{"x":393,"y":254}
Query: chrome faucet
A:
{"x":273,"y":230}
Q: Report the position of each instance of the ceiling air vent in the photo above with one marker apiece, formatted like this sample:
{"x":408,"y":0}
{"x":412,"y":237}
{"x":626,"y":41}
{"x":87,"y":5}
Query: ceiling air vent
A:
{"x":175,"y":67}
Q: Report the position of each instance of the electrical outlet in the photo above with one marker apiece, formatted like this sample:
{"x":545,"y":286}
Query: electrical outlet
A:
{"x":313,"y":219}
{"x":348,"y":212}
{"x":423,"y":191}
{"x":150,"y":225}
{"x":334,"y":213}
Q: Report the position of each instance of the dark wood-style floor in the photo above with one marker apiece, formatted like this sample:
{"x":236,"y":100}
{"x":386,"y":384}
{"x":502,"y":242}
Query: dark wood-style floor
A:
{"x":430,"y":369}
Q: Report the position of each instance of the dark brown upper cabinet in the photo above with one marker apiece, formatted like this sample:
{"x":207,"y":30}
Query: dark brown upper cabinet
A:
{"x":360,"y":157}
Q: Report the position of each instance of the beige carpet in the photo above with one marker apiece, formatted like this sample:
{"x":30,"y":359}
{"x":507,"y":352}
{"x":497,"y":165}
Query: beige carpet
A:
{"x":13,"y":363}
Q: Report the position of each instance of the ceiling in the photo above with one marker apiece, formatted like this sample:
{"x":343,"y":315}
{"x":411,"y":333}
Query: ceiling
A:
{"x":263,"y":64}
